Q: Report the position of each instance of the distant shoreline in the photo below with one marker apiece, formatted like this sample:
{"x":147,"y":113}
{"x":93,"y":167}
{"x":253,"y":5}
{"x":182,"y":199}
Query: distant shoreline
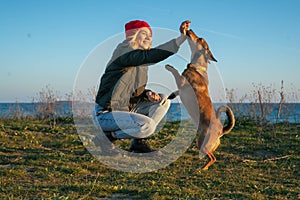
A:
{"x":289,"y":112}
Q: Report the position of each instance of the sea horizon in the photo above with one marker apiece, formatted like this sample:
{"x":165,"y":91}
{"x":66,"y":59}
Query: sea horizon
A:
{"x":273,"y":112}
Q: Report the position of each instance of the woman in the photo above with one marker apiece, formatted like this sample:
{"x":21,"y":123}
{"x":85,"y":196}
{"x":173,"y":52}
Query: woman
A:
{"x":124,"y":108}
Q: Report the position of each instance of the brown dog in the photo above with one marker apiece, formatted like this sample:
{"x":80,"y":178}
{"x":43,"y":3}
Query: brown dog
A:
{"x":194,"y":94}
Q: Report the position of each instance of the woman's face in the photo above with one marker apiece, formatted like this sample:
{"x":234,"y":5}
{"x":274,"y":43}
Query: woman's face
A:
{"x":144,"y":39}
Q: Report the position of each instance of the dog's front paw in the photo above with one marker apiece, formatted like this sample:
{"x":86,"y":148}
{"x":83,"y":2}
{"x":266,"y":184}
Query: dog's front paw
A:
{"x":169,"y":68}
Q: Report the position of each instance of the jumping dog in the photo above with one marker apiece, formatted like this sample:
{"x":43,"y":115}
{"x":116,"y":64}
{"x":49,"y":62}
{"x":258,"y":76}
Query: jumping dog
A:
{"x":193,"y":91}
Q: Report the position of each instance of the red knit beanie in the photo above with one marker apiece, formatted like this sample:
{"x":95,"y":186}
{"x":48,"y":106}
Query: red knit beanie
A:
{"x":132,"y":27}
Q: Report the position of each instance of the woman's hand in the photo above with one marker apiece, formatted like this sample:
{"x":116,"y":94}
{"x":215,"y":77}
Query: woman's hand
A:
{"x":152,"y":96}
{"x":184,"y":27}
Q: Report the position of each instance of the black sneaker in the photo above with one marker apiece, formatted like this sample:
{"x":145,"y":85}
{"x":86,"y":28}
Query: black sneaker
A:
{"x":107,"y":149}
{"x":97,"y":139}
{"x":110,"y":136}
{"x":140,"y":146}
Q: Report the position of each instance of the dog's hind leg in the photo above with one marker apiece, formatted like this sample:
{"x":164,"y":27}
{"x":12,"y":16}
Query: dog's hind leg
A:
{"x":211,"y":160}
{"x":211,"y":157}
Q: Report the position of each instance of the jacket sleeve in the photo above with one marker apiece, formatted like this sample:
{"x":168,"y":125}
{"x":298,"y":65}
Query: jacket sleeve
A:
{"x":141,"y":57}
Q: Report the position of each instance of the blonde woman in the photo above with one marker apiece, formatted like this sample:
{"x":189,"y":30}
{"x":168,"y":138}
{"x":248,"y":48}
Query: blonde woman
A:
{"x":124,"y":108}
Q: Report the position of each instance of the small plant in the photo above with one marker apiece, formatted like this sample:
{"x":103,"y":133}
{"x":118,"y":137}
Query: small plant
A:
{"x":15,"y":111}
{"x":281,"y":102}
{"x":46,"y":104}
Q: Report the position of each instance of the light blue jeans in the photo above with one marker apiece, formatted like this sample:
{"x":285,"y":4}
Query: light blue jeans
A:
{"x":141,"y":122}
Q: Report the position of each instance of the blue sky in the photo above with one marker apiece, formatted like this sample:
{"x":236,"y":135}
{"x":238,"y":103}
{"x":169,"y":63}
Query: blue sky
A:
{"x":45,"y":42}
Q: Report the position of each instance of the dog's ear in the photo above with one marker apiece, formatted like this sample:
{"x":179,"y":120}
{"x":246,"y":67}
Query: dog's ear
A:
{"x":206,"y":47}
{"x":212,"y":58}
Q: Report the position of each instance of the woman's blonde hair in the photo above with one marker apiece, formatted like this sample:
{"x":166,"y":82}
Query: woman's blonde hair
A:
{"x":132,"y":40}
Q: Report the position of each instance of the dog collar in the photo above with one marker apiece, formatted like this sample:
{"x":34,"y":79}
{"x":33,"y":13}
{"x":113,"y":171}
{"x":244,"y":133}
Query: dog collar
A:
{"x":202,"y":68}
{"x":198,"y":68}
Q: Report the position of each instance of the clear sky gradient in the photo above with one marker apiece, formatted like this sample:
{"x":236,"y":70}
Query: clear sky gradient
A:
{"x":45,"y":42}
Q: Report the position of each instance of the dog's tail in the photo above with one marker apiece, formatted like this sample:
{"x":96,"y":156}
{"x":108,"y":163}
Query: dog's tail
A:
{"x":173,"y":95}
{"x":231,"y":119}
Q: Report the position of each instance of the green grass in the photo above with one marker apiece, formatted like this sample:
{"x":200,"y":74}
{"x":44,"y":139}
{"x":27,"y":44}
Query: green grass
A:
{"x":41,"y":162}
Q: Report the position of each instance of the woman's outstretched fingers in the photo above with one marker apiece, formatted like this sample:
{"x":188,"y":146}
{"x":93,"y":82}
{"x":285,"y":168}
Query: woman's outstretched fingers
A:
{"x":184,"y":26}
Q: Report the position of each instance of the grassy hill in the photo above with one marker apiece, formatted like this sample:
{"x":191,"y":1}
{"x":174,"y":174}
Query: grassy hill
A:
{"x":38,"y":161}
